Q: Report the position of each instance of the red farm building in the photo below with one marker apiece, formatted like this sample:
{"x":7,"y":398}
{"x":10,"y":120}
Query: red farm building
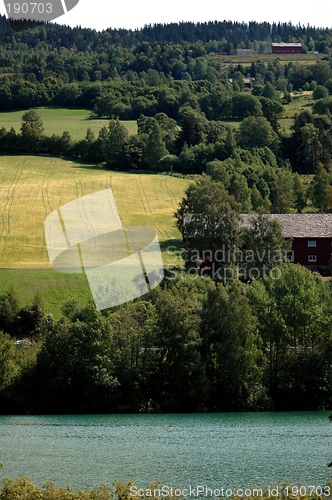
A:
{"x":286,"y":48}
{"x":311,"y":238}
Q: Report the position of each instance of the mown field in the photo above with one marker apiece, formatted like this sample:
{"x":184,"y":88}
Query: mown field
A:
{"x":284,"y":59}
{"x":56,"y":120}
{"x":32,"y":187}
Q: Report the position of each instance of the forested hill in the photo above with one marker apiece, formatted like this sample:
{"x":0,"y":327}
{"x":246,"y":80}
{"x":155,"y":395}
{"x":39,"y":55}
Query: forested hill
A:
{"x":220,"y":31}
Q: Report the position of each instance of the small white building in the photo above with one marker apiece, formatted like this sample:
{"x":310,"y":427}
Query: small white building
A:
{"x":244,"y":52}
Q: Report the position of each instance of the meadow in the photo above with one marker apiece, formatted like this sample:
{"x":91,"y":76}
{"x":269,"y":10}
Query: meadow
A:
{"x":284,"y":59}
{"x":301,"y":102}
{"x":56,"y":120}
{"x":32,"y":187}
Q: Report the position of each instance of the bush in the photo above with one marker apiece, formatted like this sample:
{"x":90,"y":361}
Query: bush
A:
{"x":320,"y":92}
{"x":322,"y":106}
{"x":23,"y":489}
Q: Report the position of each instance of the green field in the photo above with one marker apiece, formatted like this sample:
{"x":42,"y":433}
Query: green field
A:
{"x":284,"y":59}
{"x":301,"y":102}
{"x":56,"y":120}
{"x":32,"y":187}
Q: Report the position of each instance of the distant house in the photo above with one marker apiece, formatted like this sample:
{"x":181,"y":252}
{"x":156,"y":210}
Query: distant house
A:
{"x":244,"y":52}
{"x":248,"y":82}
{"x":312,"y":238}
{"x":286,"y":48}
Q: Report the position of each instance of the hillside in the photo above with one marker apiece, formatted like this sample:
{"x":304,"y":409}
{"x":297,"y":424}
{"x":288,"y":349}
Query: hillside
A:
{"x":32,"y":187}
{"x":57,"y":120}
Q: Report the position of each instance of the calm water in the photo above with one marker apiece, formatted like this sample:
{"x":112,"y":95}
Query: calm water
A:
{"x":230,"y":450}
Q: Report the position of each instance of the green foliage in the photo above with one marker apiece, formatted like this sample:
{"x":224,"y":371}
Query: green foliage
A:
{"x":299,"y":193}
{"x":229,"y":346}
{"x":76,"y":361}
{"x":311,"y":142}
{"x":265,"y":245}
{"x":180,"y":377}
{"x":32,"y":124}
{"x":115,"y":143}
{"x":320,"y":92}
{"x":294,"y":314}
{"x":24,"y":489}
{"x":244,"y":105}
{"x":238,"y":187}
{"x":321,"y":189}
{"x":9,"y":309}
{"x":256,"y":132}
{"x":155,"y":148}
{"x":271,"y":105}
{"x":208,"y":216}
{"x":176,"y":350}
{"x":256,"y":198}
{"x":287,"y":98}
{"x":8,"y":367}
{"x":269,"y":92}
{"x":191,"y":132}
{"x":328,"y":85}
{"x":321,"y":106}
{"x":282,"y":192}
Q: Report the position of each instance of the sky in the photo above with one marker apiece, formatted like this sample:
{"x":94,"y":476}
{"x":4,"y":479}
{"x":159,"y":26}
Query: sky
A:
{"x":103,"y":14}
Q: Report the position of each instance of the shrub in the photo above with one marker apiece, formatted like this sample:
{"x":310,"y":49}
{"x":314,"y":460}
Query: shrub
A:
{"x":320,"y":92}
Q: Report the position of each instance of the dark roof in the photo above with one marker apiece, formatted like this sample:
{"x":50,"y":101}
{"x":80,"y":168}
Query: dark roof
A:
{"x":299,"y":225}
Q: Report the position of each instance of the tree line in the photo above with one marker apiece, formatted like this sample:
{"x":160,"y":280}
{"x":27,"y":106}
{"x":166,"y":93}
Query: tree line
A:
{"x":68,"y":55}
{"x":255,"y":164}
{"x":236,"y":33}
{"x":190,"y":345}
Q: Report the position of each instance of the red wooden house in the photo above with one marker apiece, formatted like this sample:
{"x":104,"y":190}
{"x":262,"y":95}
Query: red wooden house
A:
{"x":286,"y":48}
{"x":311,"y":238}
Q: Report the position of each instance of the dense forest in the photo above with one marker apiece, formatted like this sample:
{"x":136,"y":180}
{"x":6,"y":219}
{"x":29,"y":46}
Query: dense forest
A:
{"x":191,"y":345}
{"x":183,"y":51}
{"x":183,"y":100}
{"x":226,"y":31}
{"x":257,"y":166}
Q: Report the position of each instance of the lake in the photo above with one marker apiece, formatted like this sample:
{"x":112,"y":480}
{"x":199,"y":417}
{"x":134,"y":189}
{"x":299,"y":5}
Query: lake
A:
{"x":230,"y":450}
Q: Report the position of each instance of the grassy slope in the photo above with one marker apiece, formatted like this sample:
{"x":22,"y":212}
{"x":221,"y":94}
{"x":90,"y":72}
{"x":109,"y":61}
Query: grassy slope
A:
{"x":269,"y":58}
{"x":301,"y":102}
{"x":32,"y":187}
{"x":57,"y":120}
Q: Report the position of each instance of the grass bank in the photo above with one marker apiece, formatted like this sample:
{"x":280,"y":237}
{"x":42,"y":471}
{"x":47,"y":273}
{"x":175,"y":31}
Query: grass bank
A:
{"x":56,"y":120}
{"x":31,"y":187}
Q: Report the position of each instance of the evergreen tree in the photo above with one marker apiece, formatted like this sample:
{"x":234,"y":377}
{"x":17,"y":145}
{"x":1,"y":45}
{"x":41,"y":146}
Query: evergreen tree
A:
{"x":116,"y":140}
{"x":155,"y":147}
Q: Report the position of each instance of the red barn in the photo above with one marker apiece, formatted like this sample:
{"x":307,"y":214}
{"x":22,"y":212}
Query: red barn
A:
{"x":286,"y":48}
{"x":312,"y":238}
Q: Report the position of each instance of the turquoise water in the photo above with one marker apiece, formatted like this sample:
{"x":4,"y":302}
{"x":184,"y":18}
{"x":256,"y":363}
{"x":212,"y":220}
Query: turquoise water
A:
{"x":231,"y":450}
